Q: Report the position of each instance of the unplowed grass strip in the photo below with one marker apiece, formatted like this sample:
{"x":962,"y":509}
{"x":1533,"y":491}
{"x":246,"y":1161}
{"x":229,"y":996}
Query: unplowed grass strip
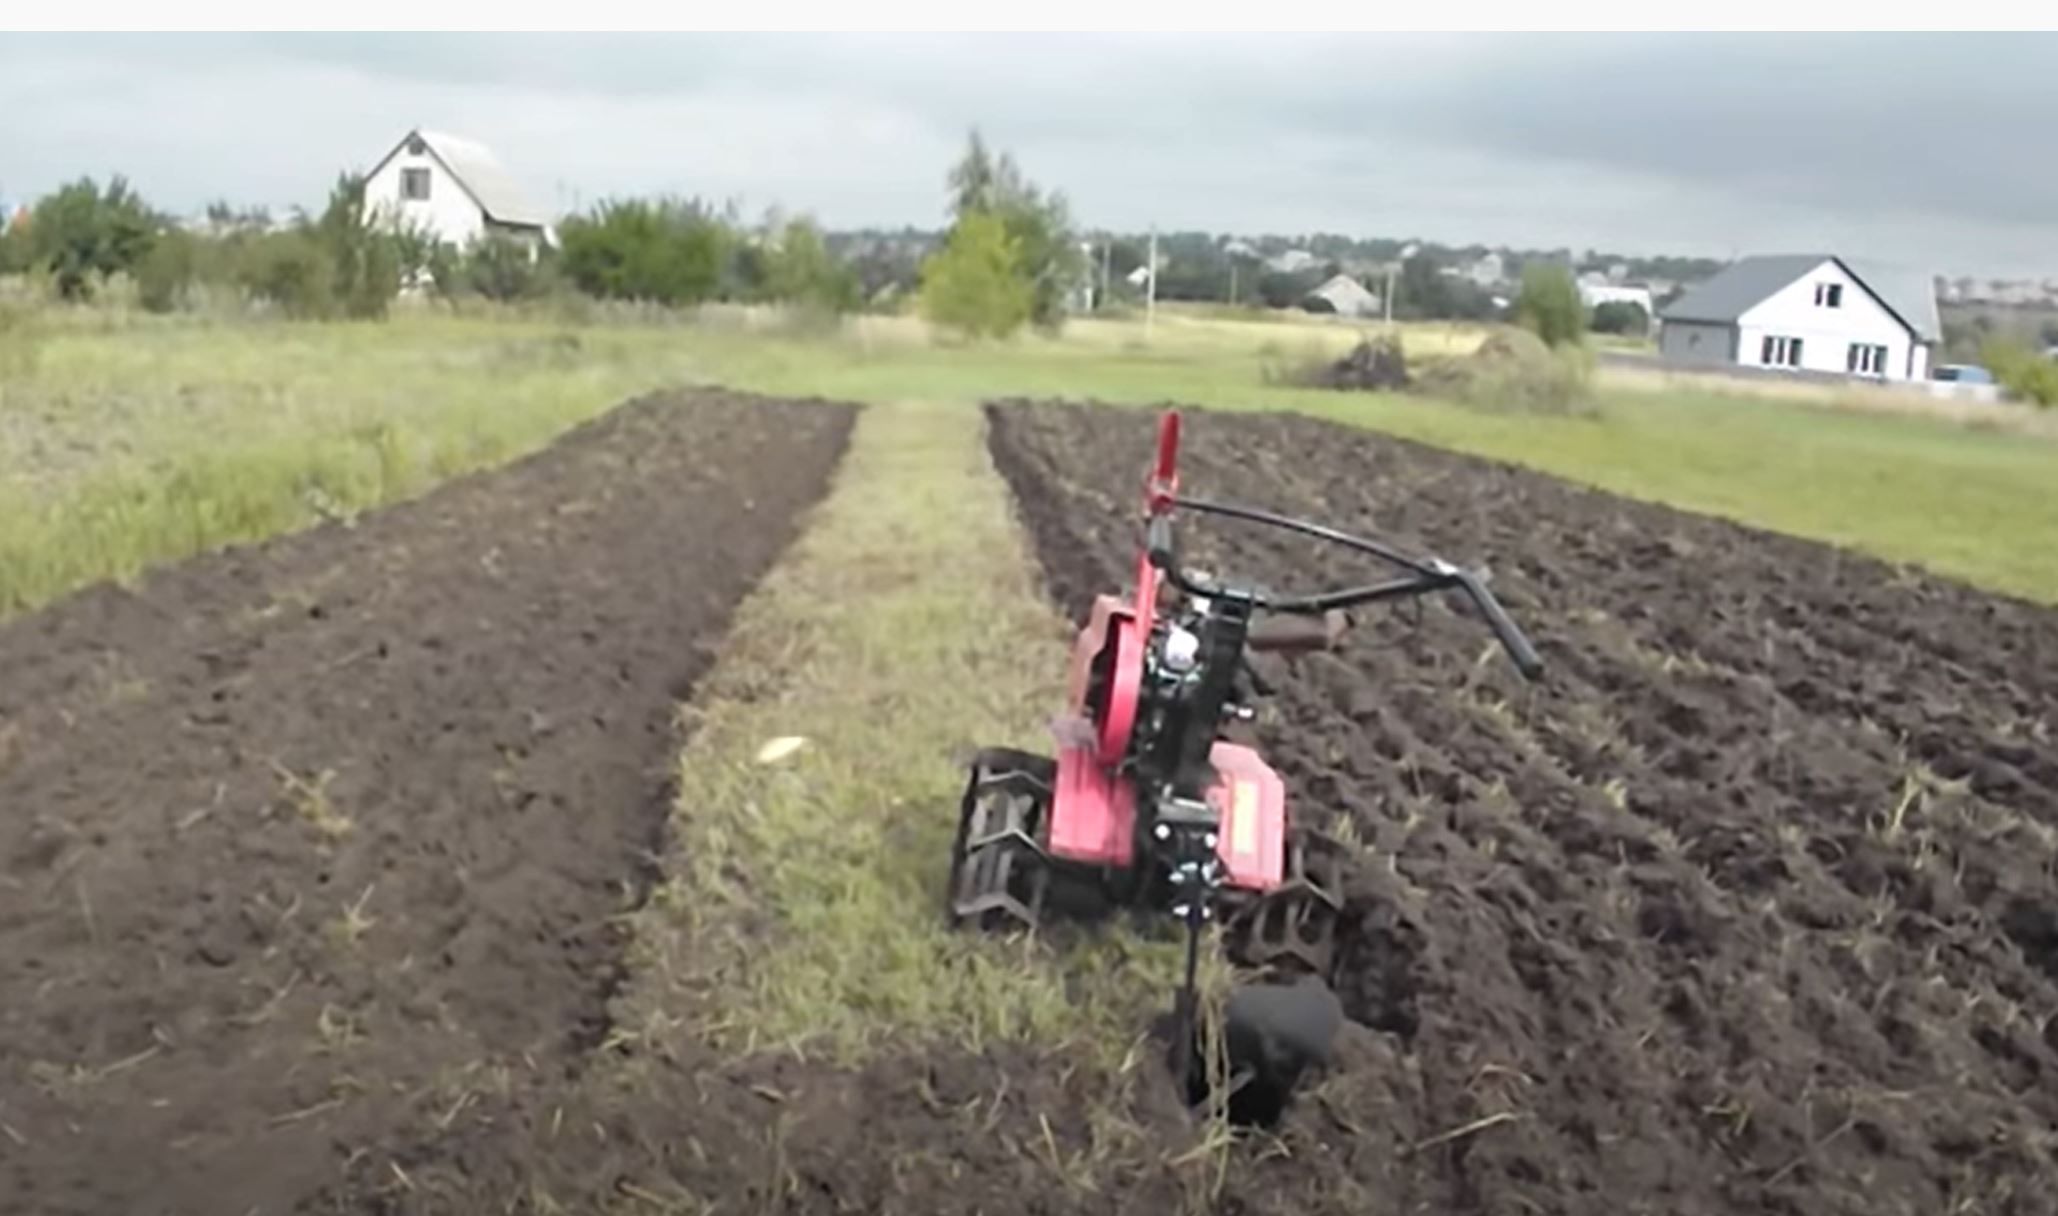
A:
{"x":804,"y":904}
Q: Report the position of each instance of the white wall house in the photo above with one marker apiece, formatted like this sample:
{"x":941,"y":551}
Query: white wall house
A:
{"x":1344,"y":296}
{"x":1593,"y":295}
{"x":453,"y":188}
{"x":1807,"y":312}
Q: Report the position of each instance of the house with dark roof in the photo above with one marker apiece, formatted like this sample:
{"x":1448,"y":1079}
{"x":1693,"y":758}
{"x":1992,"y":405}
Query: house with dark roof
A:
{"x":1809,"y":312}
{"x":454,"y":189}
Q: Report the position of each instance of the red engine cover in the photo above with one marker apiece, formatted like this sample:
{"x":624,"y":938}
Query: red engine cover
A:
{"x":1093,"y":809}
{"x":1093,"y":815}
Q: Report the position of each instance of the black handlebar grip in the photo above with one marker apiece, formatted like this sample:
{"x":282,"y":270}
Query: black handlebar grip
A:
{"x":1158,"y":541}
{"x":1504,"y":628}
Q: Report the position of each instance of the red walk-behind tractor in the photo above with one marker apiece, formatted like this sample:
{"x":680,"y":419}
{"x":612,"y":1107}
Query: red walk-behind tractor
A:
{"x":1147,"y":804}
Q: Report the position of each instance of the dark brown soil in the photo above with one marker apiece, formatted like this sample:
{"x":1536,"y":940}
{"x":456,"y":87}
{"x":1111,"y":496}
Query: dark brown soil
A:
{"x":1748,"y":907}
{"x":308,"y":846}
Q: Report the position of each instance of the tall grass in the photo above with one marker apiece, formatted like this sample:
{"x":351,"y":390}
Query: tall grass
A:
{"x":131,"y":442}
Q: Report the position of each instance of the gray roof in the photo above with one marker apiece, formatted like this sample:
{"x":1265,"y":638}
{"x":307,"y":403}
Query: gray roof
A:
{"x":483,"y":177}
{"x":1740,"y":287}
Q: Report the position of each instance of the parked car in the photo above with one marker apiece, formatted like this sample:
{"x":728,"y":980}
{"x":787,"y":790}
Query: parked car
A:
{"x":1963,"y":381}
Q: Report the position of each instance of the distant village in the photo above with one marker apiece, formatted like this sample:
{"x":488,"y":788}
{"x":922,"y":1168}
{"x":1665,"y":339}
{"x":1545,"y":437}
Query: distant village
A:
{"x":1819,"y":313}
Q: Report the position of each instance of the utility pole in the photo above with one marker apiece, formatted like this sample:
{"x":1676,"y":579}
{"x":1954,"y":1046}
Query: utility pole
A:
{"x":1232,"y":282}
{"x":1150,"y":301}
{"x":1107,"y":245}
{"x":1389,"y":294}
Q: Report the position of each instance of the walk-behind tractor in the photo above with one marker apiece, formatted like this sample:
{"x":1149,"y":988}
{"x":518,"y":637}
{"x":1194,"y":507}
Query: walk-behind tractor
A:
{"x":1148,"y":804}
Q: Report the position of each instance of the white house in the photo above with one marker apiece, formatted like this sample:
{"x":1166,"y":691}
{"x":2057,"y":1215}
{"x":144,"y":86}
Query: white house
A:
{"x":1594,"y":294}
{"x":454,"y":189}
{"x":1344,"y":296}
{"x":1293,"y":261}
{"x":1807,"y":312}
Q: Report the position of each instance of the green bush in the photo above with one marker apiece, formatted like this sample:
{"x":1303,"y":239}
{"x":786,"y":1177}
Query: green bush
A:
{"x":82,"y":234}
{"x":665,"y":252}
{"x":2023,"y":372}
{"x":504,"y":268}
{"x":168,"y":271}
{"x":799,"y":270}
{"x":293,"y":272}
{"x":1621,"y":317}
{"x":364,"y":261}
{"x":15,"y":253}
{"x":1549,"y":305}
{"x":974,"y":284}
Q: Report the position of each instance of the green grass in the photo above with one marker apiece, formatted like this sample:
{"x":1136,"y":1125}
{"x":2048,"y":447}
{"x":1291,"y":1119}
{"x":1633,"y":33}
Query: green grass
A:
{"x":805,"y":906}
{"x":122,"y":446}
{"x":130,"y":441}
{"x":1973,"y":504}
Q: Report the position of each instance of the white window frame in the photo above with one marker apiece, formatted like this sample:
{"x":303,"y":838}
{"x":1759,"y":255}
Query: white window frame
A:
{"x":1779,"y":351}
{"x":1829,"y":295}
{"x":1866,"y":359}
{"x":416,"y":174}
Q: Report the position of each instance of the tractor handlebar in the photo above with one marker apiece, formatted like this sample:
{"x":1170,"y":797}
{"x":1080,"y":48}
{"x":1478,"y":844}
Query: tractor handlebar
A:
{"x":1425,"y":575}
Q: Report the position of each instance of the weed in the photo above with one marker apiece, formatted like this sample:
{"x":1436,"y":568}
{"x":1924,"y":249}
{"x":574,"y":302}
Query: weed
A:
{"x":310,"y":800}
{"x":348,"y":929}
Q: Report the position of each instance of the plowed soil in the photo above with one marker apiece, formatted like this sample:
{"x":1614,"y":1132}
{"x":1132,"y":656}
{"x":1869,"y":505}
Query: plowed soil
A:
{"x":312,"y":855}
{"x":310,"y":846}
{"x":1747,"y":907}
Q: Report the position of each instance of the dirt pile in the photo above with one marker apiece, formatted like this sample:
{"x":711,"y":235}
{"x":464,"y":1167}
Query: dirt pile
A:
{"x":307,"y":844}
{"x":1373,"y":364}
{"x":1511,"y":371}
{"x":1514,"y":372}
{"x":1746,"y":908}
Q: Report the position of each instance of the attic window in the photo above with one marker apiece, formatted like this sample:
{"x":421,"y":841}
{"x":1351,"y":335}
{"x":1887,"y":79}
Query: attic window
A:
{"x":1829,"y":295}
{"x":414,"y":184}
{"x":415,"y":146}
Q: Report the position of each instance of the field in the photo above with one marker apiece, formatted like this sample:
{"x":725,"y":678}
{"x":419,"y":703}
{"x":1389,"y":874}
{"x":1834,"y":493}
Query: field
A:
{"x":134,"y":440}
{"x":1745,"y":908}
{"x":569,"y":836}
{"x":294,"y":834}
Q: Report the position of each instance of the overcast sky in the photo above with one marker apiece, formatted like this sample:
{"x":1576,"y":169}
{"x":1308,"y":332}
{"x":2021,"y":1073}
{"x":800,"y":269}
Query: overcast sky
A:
{"x":1933,"y":151}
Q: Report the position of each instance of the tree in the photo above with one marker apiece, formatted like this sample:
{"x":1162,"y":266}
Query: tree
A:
{"x":365,"y":261}
{"x":1549,"y":305}
{"x":669,"y":252}
{"x":2024,"y":372}
{"x":15,"y":253}
{"x":81,"y":233}
{"x":1047,"y":254}
{"x":1423,"y":291}
{"x":167,"y":271}
{"x":504,"y":268}
{"x":293,"y":271}
{"x":975,"y":284}
{"x":1621,"y":317}
{"x":798,"y":269}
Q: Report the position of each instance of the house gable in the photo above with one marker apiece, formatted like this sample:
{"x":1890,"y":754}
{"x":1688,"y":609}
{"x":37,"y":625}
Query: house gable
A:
{"x":404,"y":151}
{"x":469,"y":194}
{"x":1827,"y":320}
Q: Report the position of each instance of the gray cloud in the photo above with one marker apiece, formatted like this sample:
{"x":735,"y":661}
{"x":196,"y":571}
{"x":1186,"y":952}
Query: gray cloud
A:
{"x":1923,"y":149}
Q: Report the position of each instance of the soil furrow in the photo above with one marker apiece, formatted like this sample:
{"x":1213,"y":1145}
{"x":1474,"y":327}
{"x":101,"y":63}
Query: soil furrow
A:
{"x":1741,"y":947}
{"x":306,"y":841}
